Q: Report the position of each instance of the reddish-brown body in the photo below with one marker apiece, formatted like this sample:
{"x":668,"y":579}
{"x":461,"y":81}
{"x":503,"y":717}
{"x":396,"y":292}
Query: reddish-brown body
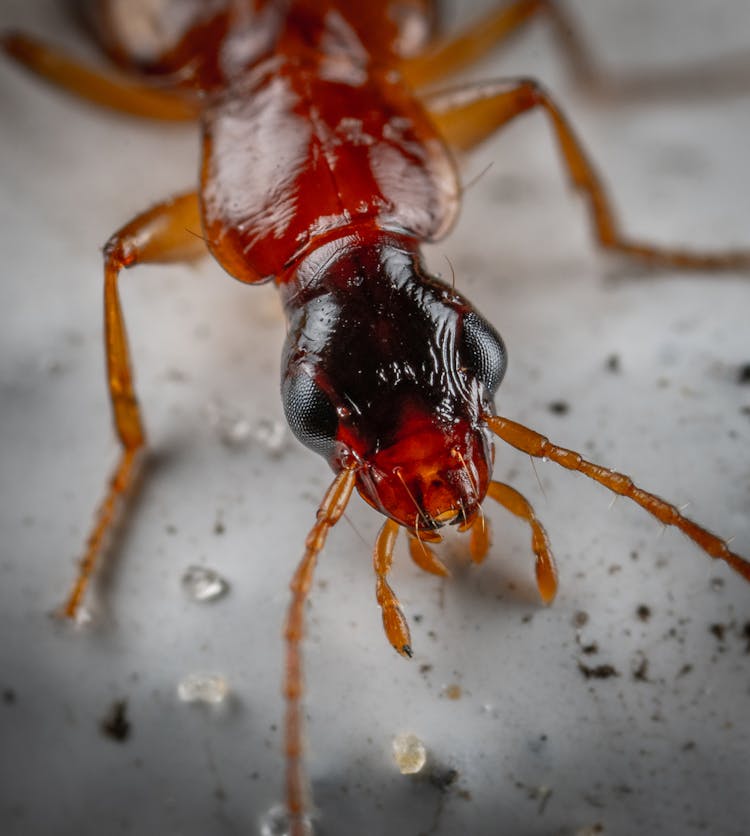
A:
{"x":323,"y":170}
{"x":320,"y":167}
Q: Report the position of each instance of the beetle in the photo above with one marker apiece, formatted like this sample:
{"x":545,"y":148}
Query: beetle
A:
{"x":466,"y":469}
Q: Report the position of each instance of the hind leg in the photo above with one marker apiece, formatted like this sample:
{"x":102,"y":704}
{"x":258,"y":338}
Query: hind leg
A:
{"x":94,"y":85}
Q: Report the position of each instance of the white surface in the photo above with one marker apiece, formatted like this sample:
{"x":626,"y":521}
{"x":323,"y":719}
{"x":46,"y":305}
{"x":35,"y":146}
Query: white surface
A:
{"x":538,"y":749}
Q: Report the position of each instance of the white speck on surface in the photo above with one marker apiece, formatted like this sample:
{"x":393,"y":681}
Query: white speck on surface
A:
{"x":276,"y":823}
{"x":204,"y":584}
{"x":207,"y":688}
{"x":271,"y":435}
{"x":409,"y":753}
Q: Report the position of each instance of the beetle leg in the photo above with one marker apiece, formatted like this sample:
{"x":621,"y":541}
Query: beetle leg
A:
{"x":471,"y":113}
{"x":446,"y":56}
{"x":94,"y":85}
{"x":394,"y":621}
{"x":516,"y":503}
{"x":168,"y":232}
{"x":534,"y":444}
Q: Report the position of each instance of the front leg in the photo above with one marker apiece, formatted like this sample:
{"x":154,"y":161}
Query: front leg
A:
{"x":169,"y":232}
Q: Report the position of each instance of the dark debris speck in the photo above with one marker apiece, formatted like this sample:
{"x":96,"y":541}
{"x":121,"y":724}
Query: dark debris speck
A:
{"x":613,"y":364}
{"x":580,"y":619}
{"x":115,"y":724}
{"x":643,"y":612}
{"x":743,"y":374}
{"x":640,"y":670}
{"x":718,"y":630}
{"x":598,"y":671}
{"x":559,"y":407}
{"x":442,"y":777}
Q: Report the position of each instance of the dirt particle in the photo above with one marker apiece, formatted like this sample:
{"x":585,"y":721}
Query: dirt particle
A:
{"x":442,"y":778}
{"x":640,"y":668}
{"x":613,"y":364}
{"x":115,"y":723}
{"x":688,"y":746}
{"x":598,"y":671}
{"x":580,"y":619}
{"x":718,"y":630}
{"x":643,"y":612}
{"x":743,"y":374}
{"x":452,"y":691}
{"x":559,"y":407}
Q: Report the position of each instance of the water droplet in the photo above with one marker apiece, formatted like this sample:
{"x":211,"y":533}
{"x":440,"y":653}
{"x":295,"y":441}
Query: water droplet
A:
{"x":409,"y":753}
{"x":83,"y":617}
{"x":276,"y":823}
{"x":208,"y":688}
{"x":203,"y":584}
{"x":231,"y":426}
{"x":235,"y":433}
{"x":271,"y":435}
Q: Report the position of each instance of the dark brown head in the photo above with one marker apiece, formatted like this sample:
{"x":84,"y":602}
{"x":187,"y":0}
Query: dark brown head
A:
{"x":390,"y":368}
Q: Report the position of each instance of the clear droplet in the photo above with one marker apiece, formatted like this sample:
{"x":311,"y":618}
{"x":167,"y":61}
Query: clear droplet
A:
{"x":204,"y":584}
{"x":276,"y":823}
{"x":271,"y":435}
{"x":210,"y":688}
{"x":231,"y":426}
{"x":83,"y":617}
{"x":235,"y":432}
{"x":409,"y":753}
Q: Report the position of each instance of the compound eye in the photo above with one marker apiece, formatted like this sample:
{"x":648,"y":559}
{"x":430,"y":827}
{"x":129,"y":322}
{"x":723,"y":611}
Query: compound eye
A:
{"x":484,"y":352}
{"x":310,"y":413}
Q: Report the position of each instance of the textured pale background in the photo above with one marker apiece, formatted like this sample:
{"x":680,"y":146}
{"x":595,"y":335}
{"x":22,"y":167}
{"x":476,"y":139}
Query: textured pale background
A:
{"x":666,"y":756}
